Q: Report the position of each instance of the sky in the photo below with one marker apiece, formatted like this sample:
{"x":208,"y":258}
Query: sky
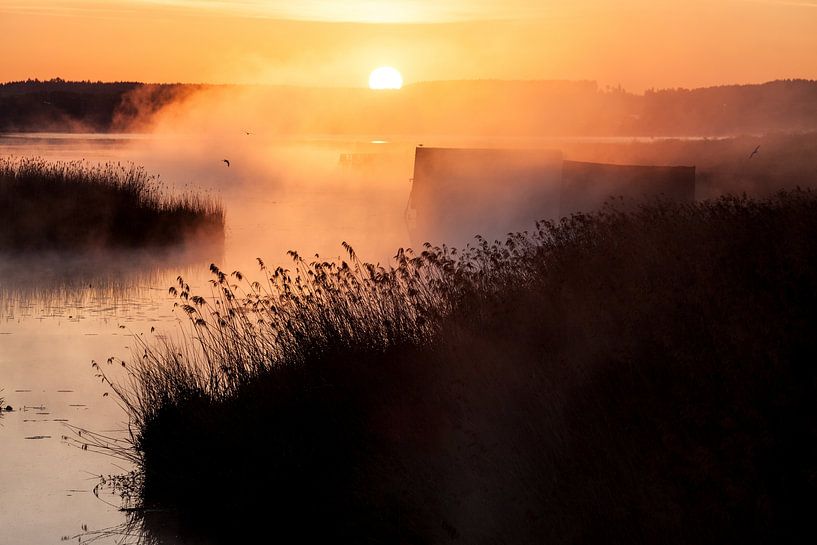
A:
{"x":638,"y":44}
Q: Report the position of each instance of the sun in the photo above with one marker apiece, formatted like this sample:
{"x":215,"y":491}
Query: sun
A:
{"x":385,"y":77}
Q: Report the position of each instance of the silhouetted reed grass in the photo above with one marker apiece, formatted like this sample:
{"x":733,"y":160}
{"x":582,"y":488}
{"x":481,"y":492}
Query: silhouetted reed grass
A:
{"x":625,"y":376}
{"x":79,"y":206}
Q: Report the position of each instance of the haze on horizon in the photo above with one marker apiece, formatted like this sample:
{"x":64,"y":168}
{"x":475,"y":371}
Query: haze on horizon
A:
{"x":637,"y":44}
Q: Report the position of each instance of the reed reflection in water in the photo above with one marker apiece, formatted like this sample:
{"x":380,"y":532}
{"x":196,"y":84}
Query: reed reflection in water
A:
{"x":59,"y":311}
{"x":103,"y":284}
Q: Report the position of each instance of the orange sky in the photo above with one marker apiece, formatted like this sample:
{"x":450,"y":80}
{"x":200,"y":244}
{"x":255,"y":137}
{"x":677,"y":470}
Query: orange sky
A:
{"x":635,"y":43}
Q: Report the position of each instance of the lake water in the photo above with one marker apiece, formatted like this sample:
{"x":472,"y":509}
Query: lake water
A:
{"x":58,"y":313}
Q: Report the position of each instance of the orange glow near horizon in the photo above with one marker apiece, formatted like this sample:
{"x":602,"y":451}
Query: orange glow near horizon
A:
{"x":638,"y":44}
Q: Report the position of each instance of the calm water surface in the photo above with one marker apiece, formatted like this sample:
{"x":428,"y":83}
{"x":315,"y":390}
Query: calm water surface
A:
{"x":60,"y":312}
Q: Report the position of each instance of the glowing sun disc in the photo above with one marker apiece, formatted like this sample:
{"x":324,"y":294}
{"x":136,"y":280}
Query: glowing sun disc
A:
{"x":385,"y":77}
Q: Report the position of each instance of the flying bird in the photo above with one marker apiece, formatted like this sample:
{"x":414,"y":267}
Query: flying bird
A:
{"x":754,"y":152}
{"x":226,"y":161}
{"x":248,"y":133}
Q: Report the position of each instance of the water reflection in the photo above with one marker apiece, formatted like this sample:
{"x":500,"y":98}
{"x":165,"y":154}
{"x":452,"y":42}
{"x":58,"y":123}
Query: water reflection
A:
{"x":143,"y":528}
{"x":58,"y":312}
{"x":111,"y":283}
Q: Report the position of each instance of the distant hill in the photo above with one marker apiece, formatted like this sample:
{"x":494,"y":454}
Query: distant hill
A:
{"x":473,"y":107}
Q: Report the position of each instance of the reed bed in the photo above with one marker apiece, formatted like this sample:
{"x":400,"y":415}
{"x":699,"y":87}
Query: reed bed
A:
{"x":81,"y":206}
{"x":624,"y":376}
{"x":244,"y":329}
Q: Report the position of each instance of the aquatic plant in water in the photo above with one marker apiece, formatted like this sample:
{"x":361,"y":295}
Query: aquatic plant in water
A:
{"x":81,"y":206}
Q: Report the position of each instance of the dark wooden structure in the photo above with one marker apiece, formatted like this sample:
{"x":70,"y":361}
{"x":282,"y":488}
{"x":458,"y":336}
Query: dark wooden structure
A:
{"x":459,"y":193}
{"x":587,"y":186}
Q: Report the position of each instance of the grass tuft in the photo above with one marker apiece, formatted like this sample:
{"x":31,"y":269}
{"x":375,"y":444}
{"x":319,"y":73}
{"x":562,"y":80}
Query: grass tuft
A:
{"x":77,"y":206}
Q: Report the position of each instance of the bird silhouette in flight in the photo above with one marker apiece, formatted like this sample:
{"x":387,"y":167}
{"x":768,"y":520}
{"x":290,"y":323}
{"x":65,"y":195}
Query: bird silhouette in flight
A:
{"x":226,"y":161}
{"x":754,"y":152}
{"x":248,"y":133}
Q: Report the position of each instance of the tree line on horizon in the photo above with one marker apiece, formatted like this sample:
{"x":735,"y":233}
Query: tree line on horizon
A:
{"x":83,"y":106}
{"x":472,"y":107}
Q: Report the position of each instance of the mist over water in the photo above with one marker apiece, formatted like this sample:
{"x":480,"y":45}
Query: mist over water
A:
{"x":284,"y":189}
{"x":571,"y":382}
{"x":58,"y":312}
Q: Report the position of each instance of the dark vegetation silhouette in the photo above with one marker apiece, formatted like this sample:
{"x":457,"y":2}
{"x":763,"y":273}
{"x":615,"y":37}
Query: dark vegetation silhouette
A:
{"x":78,"y":206}
{"x":84,"y":106}
{"x":467,"y":108}
{"x":621,"y":377}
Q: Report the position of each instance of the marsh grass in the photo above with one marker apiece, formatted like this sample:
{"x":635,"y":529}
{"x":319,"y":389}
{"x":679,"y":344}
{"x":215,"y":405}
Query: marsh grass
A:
{"x":81,"y":206}
{"x":623,"y":376}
